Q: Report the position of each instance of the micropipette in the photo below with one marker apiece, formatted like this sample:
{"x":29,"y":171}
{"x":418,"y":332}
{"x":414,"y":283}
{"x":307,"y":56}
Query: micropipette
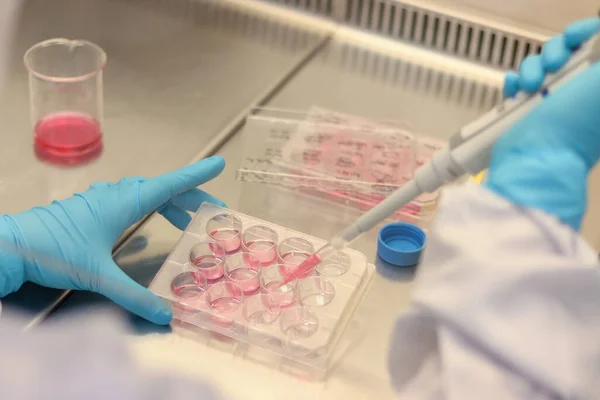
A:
{"x":468,"y":152}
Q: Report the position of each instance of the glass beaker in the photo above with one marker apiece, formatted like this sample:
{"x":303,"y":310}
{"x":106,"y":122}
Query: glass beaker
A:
{"x":66,"y":99}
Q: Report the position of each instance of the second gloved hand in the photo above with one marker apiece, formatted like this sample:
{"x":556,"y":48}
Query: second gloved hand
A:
{"x":68,"y":244}
{"x":543,"y":161}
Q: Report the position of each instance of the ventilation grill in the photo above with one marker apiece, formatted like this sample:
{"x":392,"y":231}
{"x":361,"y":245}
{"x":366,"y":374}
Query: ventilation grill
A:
{"x":458,"y":37}
{"x":423,"y":27}
{"x":321,"y":7}
{"x":411,"y":76}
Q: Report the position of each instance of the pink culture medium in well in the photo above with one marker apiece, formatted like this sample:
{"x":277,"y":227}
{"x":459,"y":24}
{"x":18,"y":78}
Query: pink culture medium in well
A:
{"x":229,"y":239}
{"x":304,"y":270}
{"x":248,"y":279}
{"x":265,"y":251}
{"x":290,"y":263}
{"x":210,"y":266}
{"x":225,"y":308}
{"x":225,"y":305}
{"x":189,"y":287}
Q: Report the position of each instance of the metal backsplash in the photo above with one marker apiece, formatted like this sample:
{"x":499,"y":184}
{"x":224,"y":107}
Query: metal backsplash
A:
{"x":412,"y":76}
{"x":396,"y":19}
{"x":321,"y":7}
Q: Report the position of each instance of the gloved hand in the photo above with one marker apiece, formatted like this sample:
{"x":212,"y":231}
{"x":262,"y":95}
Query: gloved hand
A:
{"x":543,"y":161}
{"x":68,"y":244}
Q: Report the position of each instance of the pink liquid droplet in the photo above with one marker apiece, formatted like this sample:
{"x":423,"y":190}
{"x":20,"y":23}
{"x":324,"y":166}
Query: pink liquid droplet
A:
{"x":68,"y":138}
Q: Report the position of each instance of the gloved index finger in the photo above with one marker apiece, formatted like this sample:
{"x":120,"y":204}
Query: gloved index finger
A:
{"x":580,"y":31}
{"x":157,"y":191}
{"x":555,"y":53}
{"x":531,"y":73}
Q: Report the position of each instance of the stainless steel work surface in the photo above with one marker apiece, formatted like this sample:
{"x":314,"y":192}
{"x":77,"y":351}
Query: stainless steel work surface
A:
{"x":345,"y":77}
{"x":177,"y":75}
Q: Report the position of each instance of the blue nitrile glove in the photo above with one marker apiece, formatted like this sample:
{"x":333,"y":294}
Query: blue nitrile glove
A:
{"x":543,"y":161}
{"x":68,"y":244}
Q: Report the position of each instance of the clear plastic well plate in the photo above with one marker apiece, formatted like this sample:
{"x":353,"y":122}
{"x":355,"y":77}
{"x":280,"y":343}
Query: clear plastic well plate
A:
{"x":336,"y":156}
{"x":224,"y":273}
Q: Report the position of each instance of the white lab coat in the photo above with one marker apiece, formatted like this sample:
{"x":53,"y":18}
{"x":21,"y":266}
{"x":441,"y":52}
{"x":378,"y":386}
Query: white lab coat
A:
{"x":506,"y":305}
{"x":85,"y":356}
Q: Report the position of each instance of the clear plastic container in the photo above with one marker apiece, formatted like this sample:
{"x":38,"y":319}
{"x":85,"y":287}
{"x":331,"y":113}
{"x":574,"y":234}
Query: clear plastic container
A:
{"x":350,"y":160}
{"x":226,"y":229}
{"x":315,"y":291}
{"x":208,"y":257}
{"x":261,"y":241}
{"x":189,"y":286}
{"x":271,"y":285}
{"x":224,"y":299}
{"x":302,"y":321}
{"x":292,"y":252}
{"x":244,"y":269}
{"x":261,"y":310}
{"x":66,"y":99}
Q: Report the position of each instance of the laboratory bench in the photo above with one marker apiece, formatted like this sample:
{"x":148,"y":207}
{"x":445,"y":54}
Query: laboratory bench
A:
{"x":179,"y":82}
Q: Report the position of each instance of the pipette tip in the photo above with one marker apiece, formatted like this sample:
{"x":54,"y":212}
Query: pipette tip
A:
{"x":302,"y":269}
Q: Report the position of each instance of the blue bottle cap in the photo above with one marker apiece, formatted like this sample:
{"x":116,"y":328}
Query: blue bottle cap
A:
{"x":401,"y":244}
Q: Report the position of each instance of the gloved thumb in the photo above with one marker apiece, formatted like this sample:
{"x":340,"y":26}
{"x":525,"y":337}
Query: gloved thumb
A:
{"x":124,"y":291}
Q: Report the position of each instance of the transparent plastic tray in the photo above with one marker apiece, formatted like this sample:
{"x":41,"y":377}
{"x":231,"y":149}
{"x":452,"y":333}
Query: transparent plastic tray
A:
{"x":309,"y":319}
{"x":336,"y":156}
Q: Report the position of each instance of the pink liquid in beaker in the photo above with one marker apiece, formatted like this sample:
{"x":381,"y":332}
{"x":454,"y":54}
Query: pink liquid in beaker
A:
{"x":68,"y":138}
{"x":265,"y":251}
{"x":229,"y":239}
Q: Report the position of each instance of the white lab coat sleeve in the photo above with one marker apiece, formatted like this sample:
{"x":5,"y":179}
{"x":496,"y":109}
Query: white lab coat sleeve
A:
{"x":83,"y":356}
{"x":506,"y":305}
